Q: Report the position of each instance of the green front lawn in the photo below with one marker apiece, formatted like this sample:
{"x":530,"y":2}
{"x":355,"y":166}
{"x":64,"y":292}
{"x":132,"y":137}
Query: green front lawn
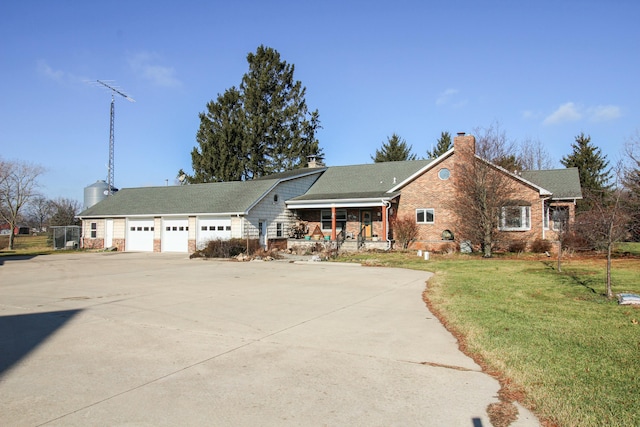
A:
{"x":552,"y":338}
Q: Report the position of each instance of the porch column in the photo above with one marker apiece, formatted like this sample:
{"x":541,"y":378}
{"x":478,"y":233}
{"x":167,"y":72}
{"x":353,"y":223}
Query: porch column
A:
{"x":333,"y":222}
{"x":385,"y":233}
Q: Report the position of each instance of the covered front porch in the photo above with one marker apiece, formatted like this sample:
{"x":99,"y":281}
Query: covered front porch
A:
{"x":343,"y":225}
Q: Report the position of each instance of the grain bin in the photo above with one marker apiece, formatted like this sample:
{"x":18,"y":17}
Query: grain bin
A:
{"x":95,"y":193}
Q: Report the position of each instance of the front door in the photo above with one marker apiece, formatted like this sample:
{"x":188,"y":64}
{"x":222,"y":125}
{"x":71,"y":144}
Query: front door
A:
{"x":108,"y":233}
{"x":262,"y":233}
{"x":365,"y":224}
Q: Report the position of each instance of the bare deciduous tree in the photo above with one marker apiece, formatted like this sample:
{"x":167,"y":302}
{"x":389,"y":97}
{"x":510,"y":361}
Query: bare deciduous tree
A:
{"x":482,"y":190}
{"x":39,"y":212}
{"x":631,"y":181}
{"x":492,"y":143}
{"x":606,"y":223}
{"x":18,"y":183}
{"x":533,"y":155}
{"x":405,"y":230}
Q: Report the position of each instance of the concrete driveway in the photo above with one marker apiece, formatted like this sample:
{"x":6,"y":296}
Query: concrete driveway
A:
{"x":156,"y":339}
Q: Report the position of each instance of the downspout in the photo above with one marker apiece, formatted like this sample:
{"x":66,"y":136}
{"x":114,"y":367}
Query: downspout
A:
{"x":386,"y":226}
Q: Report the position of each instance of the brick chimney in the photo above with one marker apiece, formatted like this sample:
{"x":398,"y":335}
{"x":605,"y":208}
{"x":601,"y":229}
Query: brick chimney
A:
{"x":464,"y":143}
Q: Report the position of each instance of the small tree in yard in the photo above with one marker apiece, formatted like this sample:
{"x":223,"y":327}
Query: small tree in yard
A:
{"x":482,"y":189}
{"x":632,"y":185}
{"x":606,"y":223}
{"x":405,"y":230}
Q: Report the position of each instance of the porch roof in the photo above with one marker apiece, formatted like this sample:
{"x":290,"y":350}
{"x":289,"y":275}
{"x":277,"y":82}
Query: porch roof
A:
{"x":357,"y":185}
{"x":363,"y":199}
{"x":564,"y":184}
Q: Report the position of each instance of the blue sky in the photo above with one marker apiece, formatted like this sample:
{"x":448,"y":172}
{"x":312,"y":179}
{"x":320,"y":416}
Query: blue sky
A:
{"x":544,"y":70}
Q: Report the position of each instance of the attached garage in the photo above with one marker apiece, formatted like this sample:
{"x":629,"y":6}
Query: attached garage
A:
{"x":212,"y":229}
{"x":140,"y":235}
{"x":175,"y":235}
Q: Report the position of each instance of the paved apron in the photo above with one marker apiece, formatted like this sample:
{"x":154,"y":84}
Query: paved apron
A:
{"x":157,"y":339}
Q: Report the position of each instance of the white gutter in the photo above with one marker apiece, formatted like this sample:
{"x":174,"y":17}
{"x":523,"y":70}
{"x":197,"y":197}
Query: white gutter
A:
{"x":224,"y":214}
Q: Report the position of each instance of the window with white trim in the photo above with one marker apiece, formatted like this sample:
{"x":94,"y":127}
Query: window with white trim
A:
{"x":341,"y":219}
{"x":425,"y":216}
{"x":278,"y":229}
{"x":94,"y":230}
{"x":515,"y":218}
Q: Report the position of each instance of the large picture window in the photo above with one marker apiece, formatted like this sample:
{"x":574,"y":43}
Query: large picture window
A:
{"x":424,"y":216}
{"x":515,"y":218}
{"x":341,"y":219}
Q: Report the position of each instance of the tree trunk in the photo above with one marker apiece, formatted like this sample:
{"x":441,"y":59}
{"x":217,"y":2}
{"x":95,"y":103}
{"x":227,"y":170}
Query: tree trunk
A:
{"x":609,"y":293}
{"x":11,"y":237}
{"x":559,"y":256}
{"x":487,"y":245}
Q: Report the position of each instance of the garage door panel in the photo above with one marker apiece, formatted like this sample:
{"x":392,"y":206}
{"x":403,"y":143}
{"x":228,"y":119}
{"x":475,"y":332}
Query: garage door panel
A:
{"x":140,"y":235}
{"x":175,"y":235}
{"x":213,"y":229}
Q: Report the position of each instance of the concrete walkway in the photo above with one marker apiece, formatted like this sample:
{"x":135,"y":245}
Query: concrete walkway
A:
{"x":156,"y":339}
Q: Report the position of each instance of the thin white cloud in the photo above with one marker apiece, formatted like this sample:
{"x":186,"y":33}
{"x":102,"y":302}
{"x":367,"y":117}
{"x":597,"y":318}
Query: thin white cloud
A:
{"x":571,"y":112}
{"x":529,"y":115}
{"x":603,"y":113}
{"x":568,"y":112}
{"x":45,"y":69}
{"x":445,"y":97}
{"x":145,"y":65}
{"x":450,"y":97}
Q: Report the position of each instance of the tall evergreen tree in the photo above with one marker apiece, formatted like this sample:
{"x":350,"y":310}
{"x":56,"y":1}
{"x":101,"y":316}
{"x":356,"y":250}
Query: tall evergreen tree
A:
{"x":394,"y":150}
{"x":262,"y":127}
{"x":443,"y":144}
{"x":593,"y":167}
{"x":220,"y":137}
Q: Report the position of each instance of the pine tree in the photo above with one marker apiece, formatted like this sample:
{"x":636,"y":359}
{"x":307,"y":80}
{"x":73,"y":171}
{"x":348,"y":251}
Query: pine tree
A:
{"x":593,"y":167}
{"x":443,"y":144}
{"x":394,"y":150}
{"x":262,"y":127}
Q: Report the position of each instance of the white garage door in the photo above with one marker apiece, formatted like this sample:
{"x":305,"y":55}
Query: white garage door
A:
{"x":140,"y":235}
{"x":175,"y":235}
{"x":213,"y":229}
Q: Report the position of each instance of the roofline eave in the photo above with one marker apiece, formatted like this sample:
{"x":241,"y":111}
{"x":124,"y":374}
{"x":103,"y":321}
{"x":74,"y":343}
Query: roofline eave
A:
{"x":156,"y":215}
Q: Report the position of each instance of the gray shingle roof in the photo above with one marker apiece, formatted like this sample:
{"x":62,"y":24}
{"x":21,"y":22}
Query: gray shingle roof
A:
{"x":562,"y":183}
{"x":213,"y":198}
{"x":361,"y":181}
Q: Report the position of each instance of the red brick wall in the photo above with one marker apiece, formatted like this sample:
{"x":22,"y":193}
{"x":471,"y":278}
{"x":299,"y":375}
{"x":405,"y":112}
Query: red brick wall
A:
{"x":428,"y":191}
{"x":92,"y":243}
{"x":119,"y":244}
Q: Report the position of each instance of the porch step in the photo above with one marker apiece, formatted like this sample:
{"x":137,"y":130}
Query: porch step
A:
{"x":349,"y":245}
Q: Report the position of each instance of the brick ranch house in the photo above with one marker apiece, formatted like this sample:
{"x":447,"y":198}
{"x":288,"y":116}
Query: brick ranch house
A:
{"x":350,"y":206}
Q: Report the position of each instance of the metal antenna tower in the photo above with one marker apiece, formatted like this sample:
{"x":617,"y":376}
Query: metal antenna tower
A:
{"x":110,"y":179}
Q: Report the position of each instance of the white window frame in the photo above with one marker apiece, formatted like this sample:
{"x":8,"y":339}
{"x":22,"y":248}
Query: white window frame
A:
{"x":425,"y":215}
{"x":93,"y":228}
{"x":525,"y":218}
{"x":279,"y":229}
